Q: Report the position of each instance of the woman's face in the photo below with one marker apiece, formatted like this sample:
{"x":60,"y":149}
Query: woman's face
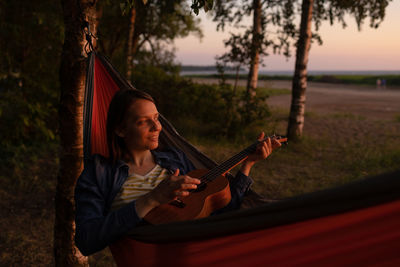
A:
{"x":141,"y":127}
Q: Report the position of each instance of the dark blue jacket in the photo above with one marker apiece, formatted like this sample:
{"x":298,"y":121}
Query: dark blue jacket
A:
{"x":96,"y":225}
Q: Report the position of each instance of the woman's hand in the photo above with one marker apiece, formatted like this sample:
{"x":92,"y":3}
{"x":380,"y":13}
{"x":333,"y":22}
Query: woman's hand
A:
{"x":174,"y":186}
{"x":169,"y":189}
{"x":264,"y":149}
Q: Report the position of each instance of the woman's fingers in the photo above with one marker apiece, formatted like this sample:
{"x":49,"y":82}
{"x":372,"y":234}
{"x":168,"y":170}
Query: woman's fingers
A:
{"x":185,"y":183}
{"x":181,"y":193}
{"x":266,"y":148}
{"x":176,"y":173}
{"x":174,"y":186}
{"x":190,"y":180}
{"x":272,"y":144}
{"x":188,"y":186}
{"x":261,"y":136}
{"x":269,"y":145}
{"x":276,"y":144}
{"x":184,"y":179}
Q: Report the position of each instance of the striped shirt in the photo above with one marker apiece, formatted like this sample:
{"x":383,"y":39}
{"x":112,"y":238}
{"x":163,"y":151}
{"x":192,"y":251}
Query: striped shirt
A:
{"x":137,"y":185}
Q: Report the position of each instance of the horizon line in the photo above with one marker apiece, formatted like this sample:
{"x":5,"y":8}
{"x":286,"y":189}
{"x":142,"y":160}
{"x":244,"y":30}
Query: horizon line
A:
{"x":285,"y":70}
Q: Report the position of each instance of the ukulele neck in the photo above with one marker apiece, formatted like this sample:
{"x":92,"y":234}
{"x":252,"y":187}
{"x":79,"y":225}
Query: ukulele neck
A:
{"x":232,"y":162}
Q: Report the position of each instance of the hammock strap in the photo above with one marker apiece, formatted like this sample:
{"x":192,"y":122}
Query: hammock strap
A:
{"x":89,"y":35}
{"x":88,"y":106}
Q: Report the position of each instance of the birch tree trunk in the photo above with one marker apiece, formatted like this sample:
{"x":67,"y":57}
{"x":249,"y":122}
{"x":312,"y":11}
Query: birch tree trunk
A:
{"x":129,"y":52}
{"x":72,"y":83}
{"x":255,"y":50}
{"x":299,"y":85}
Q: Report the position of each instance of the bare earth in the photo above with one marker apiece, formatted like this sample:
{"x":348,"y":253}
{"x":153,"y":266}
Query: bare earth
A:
{"x":361,"y":100}
{"x":324,"y":98}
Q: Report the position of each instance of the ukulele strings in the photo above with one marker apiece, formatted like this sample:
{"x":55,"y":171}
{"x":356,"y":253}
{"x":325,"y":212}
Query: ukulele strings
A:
{"x":225,"y":166}
{"x":228,"y":164}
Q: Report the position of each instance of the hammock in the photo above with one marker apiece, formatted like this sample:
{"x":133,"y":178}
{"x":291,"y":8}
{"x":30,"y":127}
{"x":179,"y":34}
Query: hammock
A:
{"x":355,"y":224}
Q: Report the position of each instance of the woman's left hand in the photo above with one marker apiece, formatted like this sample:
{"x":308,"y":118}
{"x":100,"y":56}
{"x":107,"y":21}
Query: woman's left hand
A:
{"x":264,"y":149}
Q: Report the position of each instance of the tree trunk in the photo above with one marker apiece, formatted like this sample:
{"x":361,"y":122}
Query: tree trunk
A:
{"x":130,"y":44}
{"x":72,"y":83}
{"x":236,"y":80}
{"x":255,"y":50}
{"x":299,"y":85}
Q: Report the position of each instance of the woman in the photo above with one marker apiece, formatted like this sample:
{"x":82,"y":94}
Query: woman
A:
{"x":113,"y":195}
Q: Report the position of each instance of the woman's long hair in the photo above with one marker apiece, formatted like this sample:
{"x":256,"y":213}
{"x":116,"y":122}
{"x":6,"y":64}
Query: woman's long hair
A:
{"x":117,"y":111}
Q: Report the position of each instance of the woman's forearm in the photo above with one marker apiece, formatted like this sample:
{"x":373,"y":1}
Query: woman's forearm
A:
{"x":246,"y":167}
{"x":145,"y":204}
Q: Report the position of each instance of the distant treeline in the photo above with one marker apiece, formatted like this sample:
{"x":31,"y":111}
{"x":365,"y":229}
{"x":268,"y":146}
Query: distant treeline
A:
{"x":391,"y":80}
{"x":205,"y":68}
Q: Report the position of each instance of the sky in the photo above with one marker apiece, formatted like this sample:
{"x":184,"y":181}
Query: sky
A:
{"x":342,"y":49}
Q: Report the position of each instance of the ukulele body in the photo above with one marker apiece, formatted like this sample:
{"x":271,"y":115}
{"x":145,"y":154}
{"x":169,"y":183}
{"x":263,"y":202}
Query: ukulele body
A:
{"x":199,"y":204}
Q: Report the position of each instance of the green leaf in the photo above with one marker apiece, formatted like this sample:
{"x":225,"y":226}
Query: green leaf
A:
{"x":208,"y":4}
{"x":50,"y":134}
{"x":25,"y":120}
{"x":122,"y":6}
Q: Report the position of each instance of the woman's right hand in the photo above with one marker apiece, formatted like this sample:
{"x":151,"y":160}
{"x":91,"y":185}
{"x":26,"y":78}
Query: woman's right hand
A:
{"x":174,"y":186}
{"x":169,"y":189}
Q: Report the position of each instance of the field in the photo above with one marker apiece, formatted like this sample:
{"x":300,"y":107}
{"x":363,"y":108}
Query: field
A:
{"x":351,"y":131}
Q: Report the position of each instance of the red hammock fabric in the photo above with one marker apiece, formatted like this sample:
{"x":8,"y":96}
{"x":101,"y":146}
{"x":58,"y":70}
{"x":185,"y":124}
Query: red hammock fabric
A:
{"x":105,"y":88}
{"x":366,"y":237}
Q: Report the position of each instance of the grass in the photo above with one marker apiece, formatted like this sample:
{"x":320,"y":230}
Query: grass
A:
{"x":348,"y":115}
{"x":268,"y":91}
{"x":325,"y":157}
{"x":27,"y":213}
{"x":335,"y":149}
{"x":264,"y":91}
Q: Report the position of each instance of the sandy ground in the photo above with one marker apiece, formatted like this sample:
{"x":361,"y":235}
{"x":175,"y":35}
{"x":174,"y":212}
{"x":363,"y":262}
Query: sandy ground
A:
{"x":360,"y":100}
{"x":324,"y":98}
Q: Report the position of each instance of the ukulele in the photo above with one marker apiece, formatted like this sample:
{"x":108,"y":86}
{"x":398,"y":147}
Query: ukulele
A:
{"x":212,"y":193}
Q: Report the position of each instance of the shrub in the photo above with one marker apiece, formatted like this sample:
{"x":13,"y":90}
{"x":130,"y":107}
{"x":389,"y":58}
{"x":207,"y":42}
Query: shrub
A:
{"x":27,"y":120}
{"x":200,"y":109}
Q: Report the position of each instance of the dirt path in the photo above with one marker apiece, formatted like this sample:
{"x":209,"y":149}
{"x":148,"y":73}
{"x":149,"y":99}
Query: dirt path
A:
{"x":364,"y":101}
{"x":324,"y":98}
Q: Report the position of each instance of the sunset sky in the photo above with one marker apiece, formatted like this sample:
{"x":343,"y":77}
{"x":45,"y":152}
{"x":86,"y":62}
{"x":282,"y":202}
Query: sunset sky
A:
{"x":343,"y":49}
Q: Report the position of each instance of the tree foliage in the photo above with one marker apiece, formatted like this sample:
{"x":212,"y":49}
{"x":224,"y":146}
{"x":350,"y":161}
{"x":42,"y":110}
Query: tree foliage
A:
{"x":336,"y":11}
{"x":277,"y":26}
{"x":198,"y":4}
{"x":361,"y":10}
{"x":280,"y":29}
{"x":158,"y":23}
{"x":28,"y":74}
